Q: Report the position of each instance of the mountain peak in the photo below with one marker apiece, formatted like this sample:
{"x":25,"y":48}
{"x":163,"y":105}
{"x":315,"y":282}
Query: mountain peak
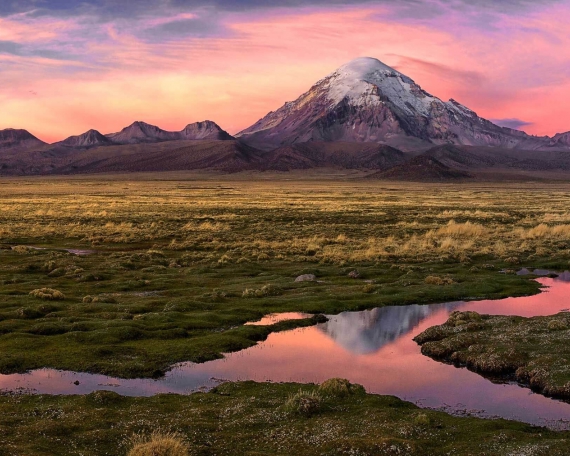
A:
{"x":141,"y":132}
{"x":366,"y":100}
{"x":14,"y":138}
{"x":364,"y":67}
{"x":204,"y":130}
{"x":91,"y":138}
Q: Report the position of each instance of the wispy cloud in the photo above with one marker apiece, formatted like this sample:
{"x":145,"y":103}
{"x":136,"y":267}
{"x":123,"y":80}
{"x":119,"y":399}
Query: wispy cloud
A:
{"x":515,"y":124}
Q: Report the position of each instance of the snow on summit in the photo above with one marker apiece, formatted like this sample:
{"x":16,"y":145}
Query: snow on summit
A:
{"x":362,"y":81}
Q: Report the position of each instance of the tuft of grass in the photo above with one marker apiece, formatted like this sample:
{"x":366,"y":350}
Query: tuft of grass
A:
{"x":264,"y":291}
{"x":339,"y":387}
{"x":436,"y":280}
{"x":305,"y":403}
{"x":48,"y":294}
{"x":158,"y":444}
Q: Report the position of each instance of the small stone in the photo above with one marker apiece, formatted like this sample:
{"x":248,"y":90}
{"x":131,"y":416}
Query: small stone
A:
{"x":306,"y":278}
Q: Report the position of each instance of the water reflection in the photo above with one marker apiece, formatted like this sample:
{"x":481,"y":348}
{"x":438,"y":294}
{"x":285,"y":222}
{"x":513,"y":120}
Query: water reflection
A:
{"x":373,"y":348}
{"x":367,"y":332}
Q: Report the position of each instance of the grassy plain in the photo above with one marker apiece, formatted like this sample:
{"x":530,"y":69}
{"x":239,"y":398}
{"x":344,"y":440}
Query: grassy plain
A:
{"x":182,"y":262}
{"x":256,"y":419}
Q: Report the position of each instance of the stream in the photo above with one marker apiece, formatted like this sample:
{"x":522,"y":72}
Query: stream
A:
{"x":373,"y":348}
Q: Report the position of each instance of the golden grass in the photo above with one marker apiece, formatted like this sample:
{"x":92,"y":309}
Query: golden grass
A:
{"x":332,"y":222}
{"x":48,"y":294}
{"x":158,"y":444}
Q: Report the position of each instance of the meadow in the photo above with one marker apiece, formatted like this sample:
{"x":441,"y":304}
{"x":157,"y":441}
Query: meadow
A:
{"x":172,"y":266}
{"x":258,"y":419}
{"x":187,"y":262}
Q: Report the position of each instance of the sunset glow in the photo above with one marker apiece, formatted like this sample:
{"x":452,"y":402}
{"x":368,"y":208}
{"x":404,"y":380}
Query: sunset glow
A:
{"x":70,"y":66}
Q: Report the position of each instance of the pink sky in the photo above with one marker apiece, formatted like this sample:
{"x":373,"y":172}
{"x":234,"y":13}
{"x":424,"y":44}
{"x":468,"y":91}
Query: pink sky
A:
{"x":65,"y":71}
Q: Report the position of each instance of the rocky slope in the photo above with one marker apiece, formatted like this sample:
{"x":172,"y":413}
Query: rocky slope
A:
{"x":204,"y":130}
{"x":422,"y":169}
{"x":337,"y":155}
{"x":367,"y":101}
{"x":91,"y":138}
{"x":11,"y":138}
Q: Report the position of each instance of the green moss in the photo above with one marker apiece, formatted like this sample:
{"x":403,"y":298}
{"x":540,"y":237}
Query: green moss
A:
{"x":535,"y":351}
{"x":249,"y":418}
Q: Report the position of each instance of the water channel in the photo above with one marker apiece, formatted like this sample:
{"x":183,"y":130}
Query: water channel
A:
{"x":373,"y":348}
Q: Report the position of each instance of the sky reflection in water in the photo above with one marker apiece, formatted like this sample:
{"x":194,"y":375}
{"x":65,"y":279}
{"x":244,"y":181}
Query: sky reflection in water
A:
{"x":373,"y":348}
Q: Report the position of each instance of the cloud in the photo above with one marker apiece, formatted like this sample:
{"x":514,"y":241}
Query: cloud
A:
{"x":467,"y":77}
{"x":20,"y":50}
{"x":198,"y":26}
{"x":515,"y":124}
{"x":139,"y":8}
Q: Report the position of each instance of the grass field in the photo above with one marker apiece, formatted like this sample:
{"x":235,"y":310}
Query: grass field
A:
{"x":179,"y":263}
{"x":255,"y":419}
{"x":186,"y":262}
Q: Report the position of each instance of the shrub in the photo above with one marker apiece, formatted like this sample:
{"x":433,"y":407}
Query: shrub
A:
{"x":557,"y":325}
{"x":101,"y":298}
{"x":48,"y":294}
{"x":304,"y":403}
{"x":421,"y":419}
{"x":265,"y":290}
{"x":339,"y":387}
{"x":158,"y":444}
{"x":23,"y":249}
{"x":435,"y":280}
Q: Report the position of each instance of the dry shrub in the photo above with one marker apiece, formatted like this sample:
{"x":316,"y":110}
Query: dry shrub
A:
{"x":304,"y":403}
{"x":339,"y":387}
{"x":557,"y":325}
{"x":458,"y":318}
{"x":264,"y":291}
{"x":23,"y":249}
{"x":421,"y":419}
{"x":456,"y":230}
{"x":436,"y":280}
{"x":48,"y":294}
{"x":158,"y":444}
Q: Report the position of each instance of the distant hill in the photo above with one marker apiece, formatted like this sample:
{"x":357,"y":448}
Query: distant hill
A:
{"x":422,"y":169}
{"x":332,"y":155}
{"x":11,"y":138}
{"x":91,"y":138}
{"x":141,"y":132}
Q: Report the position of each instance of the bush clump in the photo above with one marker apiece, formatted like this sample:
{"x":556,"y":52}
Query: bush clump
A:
{"x":101,"y":299}
{"x":264,"y":291}
{"x":47,"y":293}
{"x":304,"y":403}
{"x":436,"y":280}
{"x":339,"y":387}
{"x":158,"y":444}
{"x":557,"y":325}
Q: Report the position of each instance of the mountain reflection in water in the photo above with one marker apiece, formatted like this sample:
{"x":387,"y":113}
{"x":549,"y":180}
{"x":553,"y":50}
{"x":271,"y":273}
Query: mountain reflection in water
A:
{"x":368,"y":331}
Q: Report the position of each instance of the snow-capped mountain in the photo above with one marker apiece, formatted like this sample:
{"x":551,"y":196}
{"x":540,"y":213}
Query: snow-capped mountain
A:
{"x":12,"y":138}
{"x":367,"y":101}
